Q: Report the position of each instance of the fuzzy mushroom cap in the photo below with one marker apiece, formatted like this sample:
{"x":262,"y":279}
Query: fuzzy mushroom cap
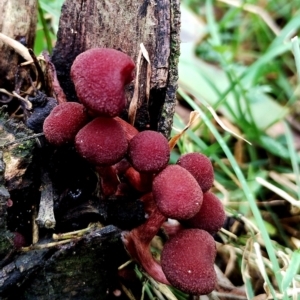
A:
{"x":102,"y":142}
{"x":200,"y":167}
{"x":63,"y":123}
{"x":99,"y":75}
{"x":149,"y":151}
{"x":187,"y":260}
{"x":211,"y":216}
{"x":177,"y":193}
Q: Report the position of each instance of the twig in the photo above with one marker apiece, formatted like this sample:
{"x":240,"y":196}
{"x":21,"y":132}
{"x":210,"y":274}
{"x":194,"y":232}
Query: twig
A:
{"x":44,"y":246}
{"x":45,"y":218}
{"x":18,"y":141}
{"x":18,"y":47}
{"x":229,"y":296}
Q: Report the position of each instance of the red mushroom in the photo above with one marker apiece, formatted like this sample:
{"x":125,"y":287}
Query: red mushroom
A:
{"x":99,"y":76}
{"x":63,"y":123}
{"x":149,"y":151}
{"x":200,"y":167}
{"x":187,"y":260}
{"x":19,"y":240}
{"x":211,"y":216}
{"x":177,"y":193}
{"x":102,"y":142}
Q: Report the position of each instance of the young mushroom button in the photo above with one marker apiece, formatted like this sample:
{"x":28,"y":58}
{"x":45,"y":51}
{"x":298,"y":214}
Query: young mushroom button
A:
{"x":149,"y":151}
{"x":63,"y":123}
{"x":211,"y":216}
{"x":102,"y":142}
{"x":200,"y":167}
{"x":187,"y":260}
{"x":99,"y":76}
{"x":177,"y":193}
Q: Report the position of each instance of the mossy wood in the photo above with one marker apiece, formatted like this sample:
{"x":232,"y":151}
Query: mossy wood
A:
{"x":58,"y":272}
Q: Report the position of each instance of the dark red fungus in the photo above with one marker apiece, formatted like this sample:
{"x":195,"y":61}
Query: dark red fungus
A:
{"x":200,"y":167}
{"x":99,"y":76}
{"x":187,"y":260}
{"x":19,"y":240}
{"x":102,"y":142}
{"x":149,"y":151}
{"x":177,"y":193}
{"x":211,"y":216}
{"x":63,"y":123}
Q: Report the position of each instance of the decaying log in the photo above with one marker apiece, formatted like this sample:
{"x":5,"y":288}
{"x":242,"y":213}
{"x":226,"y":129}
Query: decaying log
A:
{"x":81,"y":269}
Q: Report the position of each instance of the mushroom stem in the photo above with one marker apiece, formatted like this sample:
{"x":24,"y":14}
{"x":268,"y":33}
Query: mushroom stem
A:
{"x":137,"y":243}
{"x":108,"y":179}
{"x":172,"y":227}
{"x":129,"y":130}
{"x":142,"y":182}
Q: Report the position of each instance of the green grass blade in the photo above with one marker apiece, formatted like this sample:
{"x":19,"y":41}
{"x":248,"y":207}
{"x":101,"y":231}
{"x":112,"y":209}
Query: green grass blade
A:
{"x":293,"y":155}
{"x":292,"y":270}
{"x":296,"y":52}
{"x":45,"y":28}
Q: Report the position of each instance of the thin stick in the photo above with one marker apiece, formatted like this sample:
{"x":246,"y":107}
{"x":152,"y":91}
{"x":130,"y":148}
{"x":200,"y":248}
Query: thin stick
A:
{"x":22,"y":140}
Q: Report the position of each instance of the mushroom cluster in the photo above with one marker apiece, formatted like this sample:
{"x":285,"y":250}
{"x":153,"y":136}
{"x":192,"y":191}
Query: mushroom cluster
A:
{"x":127,"y":160}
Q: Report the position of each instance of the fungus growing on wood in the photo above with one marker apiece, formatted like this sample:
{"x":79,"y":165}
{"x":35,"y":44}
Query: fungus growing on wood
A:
{"x":211,"y":215}
{"x":187,"y":260}
{"x":149,"y":151}
{"x":200,"y":167}
{"x":102,"y":142}
{"x":177,"y":193}
{"x":63,"y":123}
{"x":99,"y":76}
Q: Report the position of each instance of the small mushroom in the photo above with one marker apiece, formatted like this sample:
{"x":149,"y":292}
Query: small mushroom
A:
{"x":102,"y":142}
{"x":187,"y":260}
{"x":99,"y":76}
{"x":63,"y":123}
{"x":177,"y":193}
{"x":211,"y":216}
{"x":149,"y":151}
{"x":200,"y":167}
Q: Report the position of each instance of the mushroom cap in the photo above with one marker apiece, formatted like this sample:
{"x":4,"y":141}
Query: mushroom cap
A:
{"x":211,"y":216}
{"x":177,"y":193}
{"x":102,"y":142}
{"x":187,"y":260}
{"x":200,"y":167}
{"x":149,"y":151}
{"x":99,"y":76}
{"x":63,"y":123}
